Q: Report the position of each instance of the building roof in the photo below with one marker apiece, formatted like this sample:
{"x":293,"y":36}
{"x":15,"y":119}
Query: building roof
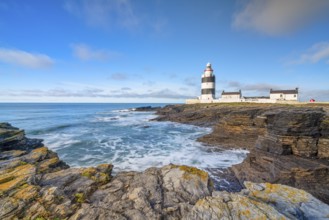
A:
{"x":293,"y":91}
{"x":231,"y":93}
{"x":256,"y":97}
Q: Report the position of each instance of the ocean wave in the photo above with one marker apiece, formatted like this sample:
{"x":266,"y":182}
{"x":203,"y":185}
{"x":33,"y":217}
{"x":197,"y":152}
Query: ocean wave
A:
{"x":130,"y":141}
{"x":106,"y":119}
{"x":51,"y":129}
{"x":124,"y":110}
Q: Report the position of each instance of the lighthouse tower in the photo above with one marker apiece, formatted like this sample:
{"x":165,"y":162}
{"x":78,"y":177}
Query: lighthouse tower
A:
{"x":208,"y":85}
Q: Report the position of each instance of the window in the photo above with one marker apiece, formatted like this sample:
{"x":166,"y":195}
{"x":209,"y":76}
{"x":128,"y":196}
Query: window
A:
{"x":295,"y":95}
{"x":280,"y":95}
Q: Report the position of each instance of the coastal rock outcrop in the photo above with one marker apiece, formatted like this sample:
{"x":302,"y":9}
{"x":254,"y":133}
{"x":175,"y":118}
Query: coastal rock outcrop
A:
{"x":35,"y":184}
{"x":289,"y":152}
{"x":288,"y":144}
{"x":260,"y":201}
{"x":146,"y":109}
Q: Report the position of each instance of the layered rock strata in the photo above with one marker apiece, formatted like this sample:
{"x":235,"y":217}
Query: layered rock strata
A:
{"x":288,"y":144}
{"x":35,"y":184}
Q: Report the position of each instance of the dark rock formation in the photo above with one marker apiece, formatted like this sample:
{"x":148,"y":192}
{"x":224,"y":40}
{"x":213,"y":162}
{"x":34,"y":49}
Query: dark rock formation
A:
{"x":35,"y":184}
{"x":288,"y":144}
{"x":291,"y":151}
{"x":146,"y":109}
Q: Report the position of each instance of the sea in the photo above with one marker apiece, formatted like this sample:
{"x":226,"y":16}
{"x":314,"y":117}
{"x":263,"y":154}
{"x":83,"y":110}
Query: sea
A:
{"x":91,"y":134}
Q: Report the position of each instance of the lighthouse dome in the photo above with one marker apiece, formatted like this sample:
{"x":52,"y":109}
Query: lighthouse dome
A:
{"x":208,"y":64}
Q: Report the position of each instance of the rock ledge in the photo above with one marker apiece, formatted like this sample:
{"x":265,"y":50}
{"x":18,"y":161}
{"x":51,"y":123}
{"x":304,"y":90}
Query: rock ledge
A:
{"x":36,"y":184}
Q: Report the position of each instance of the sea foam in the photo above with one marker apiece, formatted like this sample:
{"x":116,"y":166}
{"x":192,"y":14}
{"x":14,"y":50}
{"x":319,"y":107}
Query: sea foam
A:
{"x":87,"y":135}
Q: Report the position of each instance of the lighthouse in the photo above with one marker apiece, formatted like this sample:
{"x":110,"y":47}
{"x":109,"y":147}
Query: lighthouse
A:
{"x":208,"y":85}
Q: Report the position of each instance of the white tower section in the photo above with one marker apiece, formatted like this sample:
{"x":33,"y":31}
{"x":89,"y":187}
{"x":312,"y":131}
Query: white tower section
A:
{"x":208,"y":84}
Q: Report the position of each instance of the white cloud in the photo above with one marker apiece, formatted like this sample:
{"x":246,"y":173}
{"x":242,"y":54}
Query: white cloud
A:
{"x":26,"y":59}
{"x":279,"y":17}
{"x":104,"y":13}
{"x":84,"y":52}
{"x":316,"y":53}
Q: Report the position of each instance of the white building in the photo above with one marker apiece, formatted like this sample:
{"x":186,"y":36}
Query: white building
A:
{"x":208,"y":85}
{"x":231,"y":96}
{"x":284,"y":95}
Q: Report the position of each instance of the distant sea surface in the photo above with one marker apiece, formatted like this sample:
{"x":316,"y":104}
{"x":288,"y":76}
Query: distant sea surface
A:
{"x":91,"y":134}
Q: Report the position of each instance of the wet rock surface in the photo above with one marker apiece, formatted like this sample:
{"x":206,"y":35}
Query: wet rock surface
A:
{"x":288,"y":144}
{"x":36,"y":184}
{"x":146,"y":109}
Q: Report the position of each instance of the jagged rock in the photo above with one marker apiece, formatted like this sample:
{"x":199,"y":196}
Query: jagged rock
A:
{"x":156,"y":193}
{"x":22,"y":162}
{"x":287,"y":169}
{"x":11,"y":138}
{"x":146,"y":109}
{"x":323,"y":148}
{"x":232,"y":206}
{"x":288,"y":143}
{"x":291,"y":202}
{"x":294,"y":121}
{"x":324,"y":127}
{"x":260,"y":201}
{"x":34,"y":183}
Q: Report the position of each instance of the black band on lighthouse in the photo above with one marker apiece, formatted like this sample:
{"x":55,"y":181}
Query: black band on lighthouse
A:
{"x":208,"y":79}
{"x":207,"y":91}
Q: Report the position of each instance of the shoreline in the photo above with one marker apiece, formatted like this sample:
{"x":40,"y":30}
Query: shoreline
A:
{"x":288,"y":144}
{"x":36,"y":184}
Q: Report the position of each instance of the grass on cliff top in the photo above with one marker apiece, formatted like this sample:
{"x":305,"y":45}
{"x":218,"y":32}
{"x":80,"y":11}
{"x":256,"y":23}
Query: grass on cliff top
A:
{"x":244,"y":104}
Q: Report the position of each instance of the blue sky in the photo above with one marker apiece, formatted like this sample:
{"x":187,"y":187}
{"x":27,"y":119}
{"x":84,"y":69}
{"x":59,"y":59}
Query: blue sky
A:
{"x":156,"y":50}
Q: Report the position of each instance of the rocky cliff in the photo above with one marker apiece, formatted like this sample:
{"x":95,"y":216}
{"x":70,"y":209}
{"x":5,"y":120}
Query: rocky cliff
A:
{"x":35,"y":184}
{"x":288,"y":144}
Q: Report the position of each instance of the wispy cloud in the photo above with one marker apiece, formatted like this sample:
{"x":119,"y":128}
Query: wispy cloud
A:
{"x":94,"y":92}
{"x":125,"y":89}
{"x":85,"y":52}
{"x":104,"y":13}
{"x":119,"y":76}
{"x":191,"y":81}
{"x":318,"y":52}
{"x":26,"y":59}
{"x":149,"y":83}
{"x":257,"y":87}
{"x":279,"y":17}
{"x":317,"y":94}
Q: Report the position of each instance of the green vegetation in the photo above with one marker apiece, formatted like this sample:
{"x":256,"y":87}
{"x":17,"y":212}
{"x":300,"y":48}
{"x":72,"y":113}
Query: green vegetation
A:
{"x":80,"y":197}
{"x":193,"y":171}
{"x":88,"y":172}
{"x":22,"y":163}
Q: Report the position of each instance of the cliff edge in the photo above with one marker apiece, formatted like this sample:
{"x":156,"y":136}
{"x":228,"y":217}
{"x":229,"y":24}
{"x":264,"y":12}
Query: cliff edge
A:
{"x":36,"y":184}
{"x":288,"y":144}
